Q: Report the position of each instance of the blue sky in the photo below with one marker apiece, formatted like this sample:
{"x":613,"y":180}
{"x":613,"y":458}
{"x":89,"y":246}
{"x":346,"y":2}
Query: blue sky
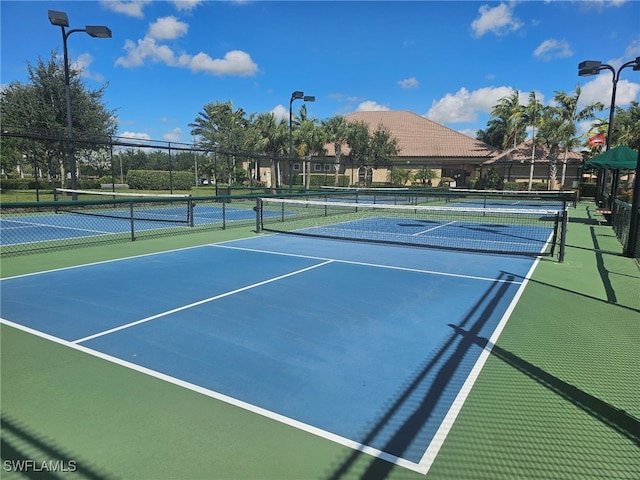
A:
{"x":449,"y":61}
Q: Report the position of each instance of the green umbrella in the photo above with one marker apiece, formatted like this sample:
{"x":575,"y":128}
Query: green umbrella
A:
{"x":620,"y":157}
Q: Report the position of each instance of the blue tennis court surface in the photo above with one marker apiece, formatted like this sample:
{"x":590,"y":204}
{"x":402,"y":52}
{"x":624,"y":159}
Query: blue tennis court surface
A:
{"x":464,"y":235}
{"x":371,"y":346}
{"x":47,"y":227}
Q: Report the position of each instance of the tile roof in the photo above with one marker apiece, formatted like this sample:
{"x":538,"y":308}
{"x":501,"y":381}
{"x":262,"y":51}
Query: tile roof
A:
{"x":522,"y":154}
{"x":418,"y":136}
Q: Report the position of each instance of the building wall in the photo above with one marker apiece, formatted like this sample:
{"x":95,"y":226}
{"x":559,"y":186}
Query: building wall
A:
{"x":462,"y":172}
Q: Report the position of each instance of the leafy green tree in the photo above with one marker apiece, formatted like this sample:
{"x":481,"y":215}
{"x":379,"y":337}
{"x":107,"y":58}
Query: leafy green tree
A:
{"x":310,"y":139}
{"x":553,"y":132}
{"x":567,"y":110}
{"x":337,"y":133}
{"x":224,"y":129}
{"x":490,"y":180}
{"x":532,"y":115}
{"x":371,"y":149}
{"x":425,"y":175}
{"x":270,"y":137}
{"x":359,"y":141}
{"x":39,"y":107}
{"x":383,"y":147}
{"x":399,"y":176}
{"x":506,"y":126}
{"x":626,"y":127}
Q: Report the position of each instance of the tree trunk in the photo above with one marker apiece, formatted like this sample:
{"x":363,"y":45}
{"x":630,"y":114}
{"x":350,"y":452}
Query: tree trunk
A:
{"x":553,"y":173}
{"x":564,"y":169}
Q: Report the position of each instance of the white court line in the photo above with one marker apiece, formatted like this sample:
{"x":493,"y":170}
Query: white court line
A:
{"x":119,"y":259}
{"x":365,"y":264}
{"x":200,"y":302}
{"x":374,"y":452}
{"x":48,"y":225}
{"x":441,"y":434}
{"x":433,"y":228}
{"x":430,"y":454}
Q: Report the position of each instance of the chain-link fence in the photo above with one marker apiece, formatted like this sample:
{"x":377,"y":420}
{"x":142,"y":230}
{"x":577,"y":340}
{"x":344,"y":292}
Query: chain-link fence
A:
{"x":43,"y":226}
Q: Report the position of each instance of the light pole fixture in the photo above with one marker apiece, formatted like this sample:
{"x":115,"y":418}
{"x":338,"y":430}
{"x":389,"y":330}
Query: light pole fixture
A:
{"x":297,"y":95}
{"x":594,"y":67}
{"x":60,"y":19}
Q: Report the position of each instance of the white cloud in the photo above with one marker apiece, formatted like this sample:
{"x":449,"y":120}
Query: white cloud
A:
{"x":498,"y":20}
{"x":173,"y":135}
{"x":146,"y":49}
{"x":135,"y":136}
{"x":235,"y":62}
{"x":630,"y":53}
{"x":599,"y":90}
{"x":371,"y":106}
{"x":167,"y":28}
{"x":463,"y":106}
{"x":633,"y":50}
{"x":280,"y":112}
{"x":552,"y":48}
{"x":409,"y":83}
{"x":186,"y":5}
{"x":82,"y":63}
{"x":468,"y":132}
{"x":129,"y":8}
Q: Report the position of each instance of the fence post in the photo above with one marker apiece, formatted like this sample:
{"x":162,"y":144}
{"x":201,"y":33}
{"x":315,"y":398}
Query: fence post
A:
{"x":133,"y":234}
{"x":563,"y":234}
{"x":258,"y":210}
{"x":630,"y":247}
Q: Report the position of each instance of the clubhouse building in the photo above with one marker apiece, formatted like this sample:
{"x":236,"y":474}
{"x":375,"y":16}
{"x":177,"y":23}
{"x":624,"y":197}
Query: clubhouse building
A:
{"x":456,"y":159}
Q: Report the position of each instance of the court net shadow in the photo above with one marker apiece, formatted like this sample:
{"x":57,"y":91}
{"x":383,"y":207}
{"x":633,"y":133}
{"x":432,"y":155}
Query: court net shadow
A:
{"x":29,"y":454}
{"x":441,"y":367}
{"x":617,"y":419}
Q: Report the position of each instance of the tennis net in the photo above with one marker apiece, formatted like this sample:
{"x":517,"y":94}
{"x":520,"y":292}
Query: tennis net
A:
{"x":512,"y":231}
{"x":170,"y":208}
{"x":512,"y":198}
{"x":386,"y":195}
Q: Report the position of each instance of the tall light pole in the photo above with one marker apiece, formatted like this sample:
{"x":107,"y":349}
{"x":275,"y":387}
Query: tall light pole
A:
{"x":61,"y":20}
{"x":594,"y":67}
{"x":297,"y":95}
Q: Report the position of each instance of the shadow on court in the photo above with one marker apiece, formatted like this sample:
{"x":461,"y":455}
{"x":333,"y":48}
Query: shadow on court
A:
{"x":449,"y":356}
{"x":30,"y":454}
{"x":580,"y":294}
{"x":615,"y":418}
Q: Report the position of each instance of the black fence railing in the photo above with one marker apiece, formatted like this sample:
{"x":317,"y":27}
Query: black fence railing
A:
{"x":30,"y":227}
{"x":44,"y":226}
{"x":622,"y":220}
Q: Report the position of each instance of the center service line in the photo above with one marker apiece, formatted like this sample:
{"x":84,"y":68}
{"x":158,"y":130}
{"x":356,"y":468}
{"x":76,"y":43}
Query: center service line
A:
{"x":200,"y":302}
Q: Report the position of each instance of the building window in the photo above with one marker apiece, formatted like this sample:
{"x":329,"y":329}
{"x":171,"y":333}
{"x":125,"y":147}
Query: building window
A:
{"x":327,"y":167}
{"x":296,"y":167}
{"x":317,"y":167}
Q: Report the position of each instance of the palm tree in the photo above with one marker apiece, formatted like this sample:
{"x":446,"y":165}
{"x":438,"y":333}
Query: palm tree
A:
{"x":626,"y":126}
{"x":271,"y":139}
{"x":399,"y":176}
{"x":425,"y":175}
{"x":551,"y":135}
{"x":222,"y":128}
{"x":310,"y":139}
{"x":568,"y":111}
{"x":532,"y":114}
{"x":337,"y":132}
{"x":509,"y":112}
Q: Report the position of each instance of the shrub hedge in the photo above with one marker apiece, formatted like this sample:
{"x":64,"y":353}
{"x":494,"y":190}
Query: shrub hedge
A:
{"x":159,"y":180}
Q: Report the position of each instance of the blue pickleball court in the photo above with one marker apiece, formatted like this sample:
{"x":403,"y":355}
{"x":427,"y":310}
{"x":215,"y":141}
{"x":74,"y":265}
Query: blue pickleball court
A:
{"x":371,"y":346}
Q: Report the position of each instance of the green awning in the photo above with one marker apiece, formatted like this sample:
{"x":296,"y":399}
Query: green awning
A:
{"x":620,"y":157}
